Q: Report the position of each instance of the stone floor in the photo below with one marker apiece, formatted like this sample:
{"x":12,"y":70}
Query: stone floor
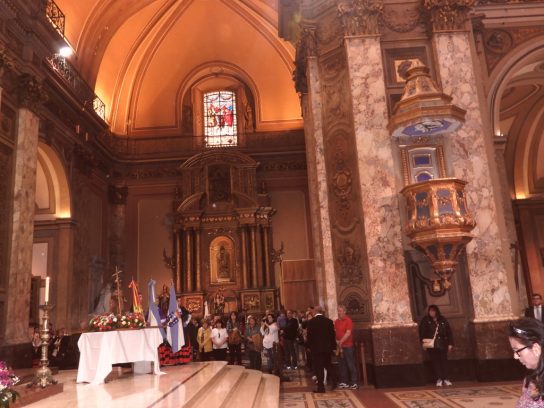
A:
{"x":198,"y":385}
{"x":182,"y":383}
{"x":297,"y":394}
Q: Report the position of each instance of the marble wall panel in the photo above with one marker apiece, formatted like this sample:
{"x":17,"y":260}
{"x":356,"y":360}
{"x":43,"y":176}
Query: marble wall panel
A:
{"x":317,"y":185}
{"x":344,"y":196}
{"x":379,"y":183}
{"x":469,"y":153}
{"x":22,"y":230}
{"x":6,"y":191}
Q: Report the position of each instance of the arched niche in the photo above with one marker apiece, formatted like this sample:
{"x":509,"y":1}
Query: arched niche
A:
{"x":222,"y":260}
{"x":52,"y":189}
{"x":218,"y":76}
{"x":517,"y":112}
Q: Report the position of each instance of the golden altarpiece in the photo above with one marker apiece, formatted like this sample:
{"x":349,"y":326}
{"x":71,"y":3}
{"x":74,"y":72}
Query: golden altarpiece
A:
{"x":223,"y":235}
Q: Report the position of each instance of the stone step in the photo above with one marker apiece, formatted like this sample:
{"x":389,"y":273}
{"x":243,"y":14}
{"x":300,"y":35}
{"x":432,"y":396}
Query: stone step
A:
{"x":268,"y":394}
{"x":191,"y":388}
{"x":219,"y":389}
{"x":246,"y":390}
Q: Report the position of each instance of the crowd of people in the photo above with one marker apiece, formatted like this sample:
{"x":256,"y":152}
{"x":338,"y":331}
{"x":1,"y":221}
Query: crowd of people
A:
{"x":287,"y":339}
{"x":290,"y":339}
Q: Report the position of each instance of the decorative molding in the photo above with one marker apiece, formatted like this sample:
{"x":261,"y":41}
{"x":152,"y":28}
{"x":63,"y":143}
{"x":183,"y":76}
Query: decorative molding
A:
{"x":31,"y":92}
{"x":402,"y":21}
{"x":361,"y":17}
{"x":306,"y":47}
{"x":499,"y":42}
{"x":448,"y":15}
{"x":118,"y":194}
{"x":6,"y":63}
{"x":283,"y":165}
{"x":349,"y":258}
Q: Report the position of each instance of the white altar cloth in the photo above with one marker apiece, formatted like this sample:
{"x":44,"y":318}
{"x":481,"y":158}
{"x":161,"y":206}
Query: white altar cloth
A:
{"x":99,"y":350}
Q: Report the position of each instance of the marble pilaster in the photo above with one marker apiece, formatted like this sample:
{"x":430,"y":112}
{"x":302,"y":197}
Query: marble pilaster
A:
{"x":379,"y":183}
{"x":63,"y":276}
{"x":117,"y":195}
{"x":22,"y":228}
{"x":469,"y":154}
{"x":318,"y":189}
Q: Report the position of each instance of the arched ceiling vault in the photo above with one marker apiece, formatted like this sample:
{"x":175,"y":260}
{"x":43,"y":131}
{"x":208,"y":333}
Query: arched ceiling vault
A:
{"x":520,"y":118}
{"x":139,"y":54}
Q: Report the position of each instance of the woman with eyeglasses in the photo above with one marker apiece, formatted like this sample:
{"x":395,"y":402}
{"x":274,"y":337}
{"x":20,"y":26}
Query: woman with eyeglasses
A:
{"x":527,"y":340}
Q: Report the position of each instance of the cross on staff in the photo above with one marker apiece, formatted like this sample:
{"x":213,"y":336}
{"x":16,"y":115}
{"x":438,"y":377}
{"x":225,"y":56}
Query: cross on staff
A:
{"x":117,"y":280}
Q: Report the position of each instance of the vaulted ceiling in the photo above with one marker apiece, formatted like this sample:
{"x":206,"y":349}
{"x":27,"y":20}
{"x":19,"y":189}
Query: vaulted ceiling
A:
{"x":522,"y":123}
{"x":143,"y":56}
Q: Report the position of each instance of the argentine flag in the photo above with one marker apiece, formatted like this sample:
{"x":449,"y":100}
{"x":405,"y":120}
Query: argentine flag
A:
{"x":174,"y":328}
{"x":154,"y":316}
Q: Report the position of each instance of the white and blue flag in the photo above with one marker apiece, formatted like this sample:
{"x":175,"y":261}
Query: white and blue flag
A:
{"x":174,"y":326}
{"x":154,"y":316}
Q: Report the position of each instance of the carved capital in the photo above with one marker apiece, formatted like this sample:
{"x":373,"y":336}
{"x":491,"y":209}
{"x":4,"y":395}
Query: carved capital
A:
{"x":118,"y":194}
{"x":361,"y":17}
{"x":448,"y":15}
{"x":31,"y":92}
{"x":5,"y":62}
{"x":306,"y":47}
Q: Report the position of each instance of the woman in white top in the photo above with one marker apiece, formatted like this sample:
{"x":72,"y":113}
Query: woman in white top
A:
{"x":269,"y":330}
{"x":219,"y":340}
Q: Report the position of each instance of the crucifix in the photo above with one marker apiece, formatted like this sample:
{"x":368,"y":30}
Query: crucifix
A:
{"x":117,"y":280}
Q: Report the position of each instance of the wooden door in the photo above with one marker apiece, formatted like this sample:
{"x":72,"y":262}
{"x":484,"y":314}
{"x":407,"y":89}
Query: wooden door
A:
{"x":298,"y":284}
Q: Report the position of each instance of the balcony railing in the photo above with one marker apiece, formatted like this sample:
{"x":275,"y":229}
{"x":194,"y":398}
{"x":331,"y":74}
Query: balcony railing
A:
{"x":84,"y":93}
{"x":55,"y":16}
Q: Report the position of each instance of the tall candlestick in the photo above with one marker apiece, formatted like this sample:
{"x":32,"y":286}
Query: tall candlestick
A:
{"x":47,"y":288}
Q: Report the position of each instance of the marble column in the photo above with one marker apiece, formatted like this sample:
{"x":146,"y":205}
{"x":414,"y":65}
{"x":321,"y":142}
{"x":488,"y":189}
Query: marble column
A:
{"x":245,"y":277}
{"x":188,"y":260}
{"x":22,"y":228}
{"x":312,"y":106}
{"x":198,"y":283}
{"x":178,"y":236}
{"x":380,"y":183}
{"x":253,"y":244}
{"x":62,"y":281}
{"x":469,"y":153}
{"x":117,"y":195}
{"x":266,"y":256}
{"x":380,"y":180}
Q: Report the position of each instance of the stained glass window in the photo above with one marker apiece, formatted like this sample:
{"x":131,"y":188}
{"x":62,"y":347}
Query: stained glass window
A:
{"x":220,"y":119}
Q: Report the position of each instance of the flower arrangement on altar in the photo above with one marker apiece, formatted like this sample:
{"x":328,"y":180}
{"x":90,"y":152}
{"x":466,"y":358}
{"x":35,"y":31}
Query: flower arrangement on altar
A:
{"x":110,"y":321}
{"x":8,"y":380}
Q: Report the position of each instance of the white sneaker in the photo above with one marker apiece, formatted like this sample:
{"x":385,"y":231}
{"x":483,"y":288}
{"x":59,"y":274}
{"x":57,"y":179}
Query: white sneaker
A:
{"x":342,"y":386}
{"x":439,"y":383}
{"x":448,"y":383}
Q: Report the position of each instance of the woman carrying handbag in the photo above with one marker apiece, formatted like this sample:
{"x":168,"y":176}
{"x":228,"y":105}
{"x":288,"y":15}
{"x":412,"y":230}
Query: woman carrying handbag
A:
{"x":436,"y":337}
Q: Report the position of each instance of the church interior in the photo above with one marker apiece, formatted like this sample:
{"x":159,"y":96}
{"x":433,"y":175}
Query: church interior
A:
{"x":272,"y":154}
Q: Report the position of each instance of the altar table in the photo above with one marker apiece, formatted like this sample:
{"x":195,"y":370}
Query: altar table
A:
{"x":100,"y":350}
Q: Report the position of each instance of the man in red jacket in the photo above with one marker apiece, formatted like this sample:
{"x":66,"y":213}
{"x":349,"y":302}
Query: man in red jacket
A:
{"x":344,"y":339}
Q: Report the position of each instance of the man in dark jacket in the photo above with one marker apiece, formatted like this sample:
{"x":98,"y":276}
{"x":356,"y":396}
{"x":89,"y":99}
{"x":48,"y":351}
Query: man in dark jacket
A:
{"x":289,"y":337}
{"x":535,"y":311}
{"x":322,"y":343}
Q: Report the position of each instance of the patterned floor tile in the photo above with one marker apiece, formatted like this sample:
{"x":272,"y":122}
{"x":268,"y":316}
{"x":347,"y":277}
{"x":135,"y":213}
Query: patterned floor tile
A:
{"x":462,"y":397}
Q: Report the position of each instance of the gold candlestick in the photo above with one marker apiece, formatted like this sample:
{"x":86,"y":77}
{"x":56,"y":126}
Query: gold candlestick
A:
{"x":43,"y":376}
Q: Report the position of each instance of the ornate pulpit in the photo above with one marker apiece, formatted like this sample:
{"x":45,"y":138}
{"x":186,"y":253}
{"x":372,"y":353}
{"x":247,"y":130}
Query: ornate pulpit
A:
{"x":222,"y":233}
